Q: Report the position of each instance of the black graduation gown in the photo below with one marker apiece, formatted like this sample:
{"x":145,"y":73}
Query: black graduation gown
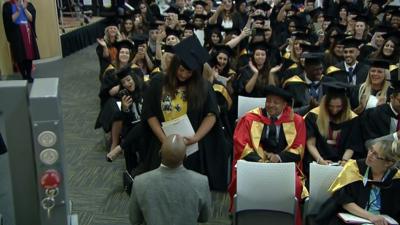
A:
{"x":328,"y":151}
{"x":300,"y":91}
{"x":109,"y":111}
{"x":245,"y":74}
{"x":376,"y":122}
{"x":358,"y":193}
{"x":14,"y":36}
{"x":212,"y":157}
{"x":361,"y":71}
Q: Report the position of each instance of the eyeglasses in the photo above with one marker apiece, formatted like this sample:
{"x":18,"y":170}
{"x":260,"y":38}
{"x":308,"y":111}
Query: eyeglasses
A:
{"x":375,"y":155}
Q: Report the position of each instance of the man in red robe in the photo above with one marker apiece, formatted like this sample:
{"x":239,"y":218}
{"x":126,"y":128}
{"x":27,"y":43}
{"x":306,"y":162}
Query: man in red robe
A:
{"x":272,"y":134}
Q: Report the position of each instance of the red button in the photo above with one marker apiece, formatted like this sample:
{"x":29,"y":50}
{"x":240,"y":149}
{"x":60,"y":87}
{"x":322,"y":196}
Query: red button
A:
{"x":50,"y":179}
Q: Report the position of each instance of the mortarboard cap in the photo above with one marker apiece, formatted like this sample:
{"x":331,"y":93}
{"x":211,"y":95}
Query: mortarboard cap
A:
{"x":153,"y":26}
{"x":299,"y":35}
{"x":351,"y":43}
{"x":139,"y":39}
{"x":263,"y":6}
{"x":184,"y":17}
{"x":379,"y":63}
{"x":191,"y":53}
{"x":336,"y":26}
{"x":335,"y":87}
{"x":200,"y":16}
{"x":273,"y":90}
{"x":225,"y":49}
{"x":361,"y":18}
{"x":396,"y":12}
{"x":259,"y":46}
{"x":199,"y":2}
{"x":173,"y":32}
{"x":124,"y":71}
{"x":380,"y":3}
{"x":313,"y":58}
{"x":173,"y":9}
{"x":124,"y":44}
{"x":189,"y":26}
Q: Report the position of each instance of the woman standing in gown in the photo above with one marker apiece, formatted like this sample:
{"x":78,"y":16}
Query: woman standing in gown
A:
{"x":19,"y":24}
{"x":183,"y":90}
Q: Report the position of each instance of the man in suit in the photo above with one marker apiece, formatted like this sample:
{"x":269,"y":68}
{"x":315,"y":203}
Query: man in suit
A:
{"x":170,"y":194}
{"x":356,"y":71}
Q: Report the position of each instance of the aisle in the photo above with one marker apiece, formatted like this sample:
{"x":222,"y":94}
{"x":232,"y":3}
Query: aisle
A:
{"x":95,"y":186}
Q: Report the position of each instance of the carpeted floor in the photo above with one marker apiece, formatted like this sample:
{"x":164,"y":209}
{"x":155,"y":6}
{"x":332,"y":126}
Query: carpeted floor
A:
{"x":94,"y":185}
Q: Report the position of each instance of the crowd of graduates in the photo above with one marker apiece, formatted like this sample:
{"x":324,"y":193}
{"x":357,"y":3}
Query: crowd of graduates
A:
{"x":328,"y":70}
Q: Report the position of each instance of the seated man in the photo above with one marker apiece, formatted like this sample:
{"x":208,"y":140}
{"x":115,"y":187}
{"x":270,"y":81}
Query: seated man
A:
{"x":170,"y":194}
{"x":272,"y":134}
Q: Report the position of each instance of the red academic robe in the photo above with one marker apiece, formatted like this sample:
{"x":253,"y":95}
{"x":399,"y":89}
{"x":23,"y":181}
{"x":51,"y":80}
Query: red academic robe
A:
{"x":247,"y":138}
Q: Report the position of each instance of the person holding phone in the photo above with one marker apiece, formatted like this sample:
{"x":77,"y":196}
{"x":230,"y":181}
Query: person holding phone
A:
{"x":19,"y":24}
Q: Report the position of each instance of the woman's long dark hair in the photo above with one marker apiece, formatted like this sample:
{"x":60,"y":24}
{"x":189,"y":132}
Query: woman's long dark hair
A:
{"x":264,"y":78}
{"x":196,"y":89}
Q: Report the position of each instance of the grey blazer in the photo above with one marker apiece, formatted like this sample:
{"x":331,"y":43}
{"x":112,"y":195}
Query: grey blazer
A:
{"x":167,"y":196}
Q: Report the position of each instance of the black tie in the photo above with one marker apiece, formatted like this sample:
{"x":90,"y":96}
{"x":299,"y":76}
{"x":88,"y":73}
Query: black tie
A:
{"x":272,"y":132}
{"x":350,"y":78}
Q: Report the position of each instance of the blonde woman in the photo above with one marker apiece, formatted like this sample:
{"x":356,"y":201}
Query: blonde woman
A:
{"x":329,"y":128}
{"x":106,"y":50}
{"x":375,"y":90}
{"x":367,"y":188}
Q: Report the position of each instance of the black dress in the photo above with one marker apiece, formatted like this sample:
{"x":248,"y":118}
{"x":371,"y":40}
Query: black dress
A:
{"x":212,"y":157}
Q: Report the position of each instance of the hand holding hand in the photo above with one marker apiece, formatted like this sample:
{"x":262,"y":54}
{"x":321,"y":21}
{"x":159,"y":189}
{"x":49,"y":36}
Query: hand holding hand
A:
{"x":190,"y":140}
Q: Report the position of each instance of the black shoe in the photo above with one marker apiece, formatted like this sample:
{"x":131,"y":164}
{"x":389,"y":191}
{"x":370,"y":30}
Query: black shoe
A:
{"x":30,"y":80}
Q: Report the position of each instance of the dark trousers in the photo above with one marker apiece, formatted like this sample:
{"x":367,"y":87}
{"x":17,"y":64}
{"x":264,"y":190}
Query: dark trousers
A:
{"x":25,"y":68}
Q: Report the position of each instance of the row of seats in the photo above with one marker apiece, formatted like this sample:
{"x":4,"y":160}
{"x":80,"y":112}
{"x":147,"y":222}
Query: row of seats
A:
{"x":266,"y":192}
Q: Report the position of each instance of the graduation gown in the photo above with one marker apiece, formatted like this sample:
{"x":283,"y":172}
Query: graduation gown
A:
{"x":109,"y":111}
{"x":212,"y":157}
{"x":360,"y":71}
{"x":377,"y":122}
{"x":300,"y":91}
{"x":14,"y":36}
{"x":349,"y":187}
{"x":335,"y":149}
{"x":248,"y":140}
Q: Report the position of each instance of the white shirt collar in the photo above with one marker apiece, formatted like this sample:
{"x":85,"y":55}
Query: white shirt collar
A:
{"x":348,"y":66}
{"x":308,"y":81}
{"x":394,"y":111}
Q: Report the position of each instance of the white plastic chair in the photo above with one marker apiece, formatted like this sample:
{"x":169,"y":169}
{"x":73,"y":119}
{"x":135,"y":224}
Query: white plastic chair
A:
{"x":246,"y":104}
{"x":265,"y":193}
{"x":321,"y":178}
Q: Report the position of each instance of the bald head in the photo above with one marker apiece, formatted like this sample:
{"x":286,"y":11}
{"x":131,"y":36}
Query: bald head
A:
{"x":173,"y":151}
